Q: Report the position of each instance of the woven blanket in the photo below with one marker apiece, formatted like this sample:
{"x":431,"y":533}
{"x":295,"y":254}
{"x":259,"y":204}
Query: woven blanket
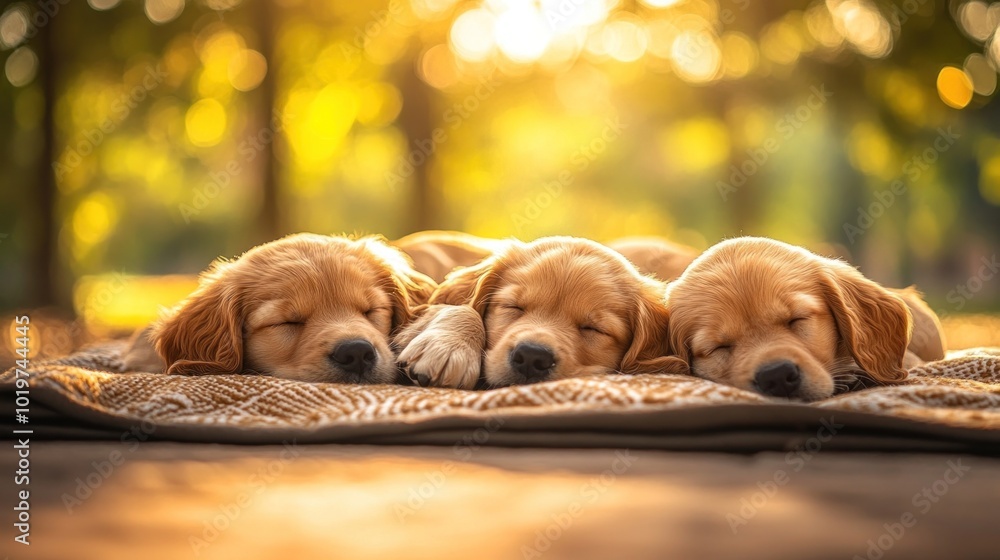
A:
{"x":953,"y":404}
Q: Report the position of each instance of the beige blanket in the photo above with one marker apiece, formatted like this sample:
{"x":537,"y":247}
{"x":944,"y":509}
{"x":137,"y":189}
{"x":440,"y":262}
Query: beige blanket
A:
{"x":953,"y":404}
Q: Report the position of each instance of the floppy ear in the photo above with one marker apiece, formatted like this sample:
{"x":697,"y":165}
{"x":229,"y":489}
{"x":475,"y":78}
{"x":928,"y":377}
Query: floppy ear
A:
{"x":471,"y":285}
{"x":651,"y":350}
{"x":409,"y":293}
{"x":874,"y":323}
{"x":205,"y":333}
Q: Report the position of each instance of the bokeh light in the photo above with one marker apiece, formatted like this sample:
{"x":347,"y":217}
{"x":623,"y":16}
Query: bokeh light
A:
{"x":861,"y":23}
{"x":247,"y":69}
{"x":13,"y":26}
{"x":103,"y":4}
{"x":522,"y":34}
{"x":205,"y":122}
{"x":163,"y":11}
{"x":472,"y":35}
{"x":954,"y":87}
{"x":21,"y":67}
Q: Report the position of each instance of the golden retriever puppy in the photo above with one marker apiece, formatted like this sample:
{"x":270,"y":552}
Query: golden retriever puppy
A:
{"x":660,"y":257}
{"x":306,"y":307}
{"x":766,"y":316}
{"x":554,"y":308}
{"x":436,"y":253}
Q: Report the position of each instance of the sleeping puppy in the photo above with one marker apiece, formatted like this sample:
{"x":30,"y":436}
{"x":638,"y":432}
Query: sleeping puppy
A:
{"x":306,"y":307}
{"x":766,"y":316}
{"x":554,"y":308}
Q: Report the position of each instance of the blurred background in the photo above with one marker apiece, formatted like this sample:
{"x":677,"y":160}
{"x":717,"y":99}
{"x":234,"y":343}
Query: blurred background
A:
{"x":142,"y":139}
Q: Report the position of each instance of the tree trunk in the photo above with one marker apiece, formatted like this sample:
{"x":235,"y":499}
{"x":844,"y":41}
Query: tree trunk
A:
{"x":269,"y":218}
{"x":43,"y":288}
{"x":415,"y":118}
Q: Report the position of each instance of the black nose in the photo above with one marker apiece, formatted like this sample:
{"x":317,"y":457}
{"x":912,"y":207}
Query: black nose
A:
{"x":354,"y":356}
{"x":533,"y":361}
{"x":778,"y":379}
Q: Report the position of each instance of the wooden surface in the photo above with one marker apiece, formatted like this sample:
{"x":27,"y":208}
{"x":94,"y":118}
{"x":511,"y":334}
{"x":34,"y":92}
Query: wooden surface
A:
{"x":161,"y":500}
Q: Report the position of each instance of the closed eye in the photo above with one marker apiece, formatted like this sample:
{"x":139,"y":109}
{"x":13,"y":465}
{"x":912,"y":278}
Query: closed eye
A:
{"x":720,"y":348}
{"x":591,"y":329}
{"x":289,"y":324}
{"x":374,"y":310}
{"x":511,"y":307}
{"x":796,"y":321}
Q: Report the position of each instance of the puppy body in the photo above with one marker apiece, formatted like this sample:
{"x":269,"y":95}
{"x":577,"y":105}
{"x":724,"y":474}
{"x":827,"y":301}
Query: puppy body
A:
{"x":306,"y":307}
{"x":657,"y":256}
{"x":436,"y":253}
{"x":554,"y":308}
{"x":767,"y":316}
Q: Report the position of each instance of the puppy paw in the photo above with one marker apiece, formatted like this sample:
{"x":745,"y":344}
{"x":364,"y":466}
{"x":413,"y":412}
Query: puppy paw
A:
{"x":448,"y":353}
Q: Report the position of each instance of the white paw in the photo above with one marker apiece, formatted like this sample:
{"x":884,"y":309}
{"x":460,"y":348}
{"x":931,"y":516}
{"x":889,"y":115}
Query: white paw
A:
{"x":447,"y":354}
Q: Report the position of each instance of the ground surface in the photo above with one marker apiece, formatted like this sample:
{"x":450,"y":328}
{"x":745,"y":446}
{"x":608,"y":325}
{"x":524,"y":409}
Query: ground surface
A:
{"x":170,"y":501}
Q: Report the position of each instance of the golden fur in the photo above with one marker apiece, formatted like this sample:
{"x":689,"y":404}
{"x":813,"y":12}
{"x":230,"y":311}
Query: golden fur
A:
{"x":749,"y":305}
{"x":660,"y":257}
{"x":577,"y":306}
{"x":436,"y":253}
{"x":288,"y":308}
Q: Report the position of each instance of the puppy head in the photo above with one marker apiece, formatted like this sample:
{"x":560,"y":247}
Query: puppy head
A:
{"x":770,"y":317}
{"x":563,"y":307}
{"x":306,"y":307}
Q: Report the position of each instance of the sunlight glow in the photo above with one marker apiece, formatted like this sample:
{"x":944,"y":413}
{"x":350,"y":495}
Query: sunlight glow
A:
{"x":247,"y":69}
{"x":437,"y":67}
{"x":326,"y":118}
{"x":21,"y":67}
{"x":696,"y":56}
{"x":739,"y":55}
{"x":93,"y":220}
{"x":472,"y":35}
{"x":978,"y":20}
{"x":13,"y":26}
{"x":624,"y":39}
{"x":163,"y":11}
{"x":984,"y":77}
{"x":661,"y":3}
{"x":103,"y":4}
{"x":954,"y":87}
{"x":863,"y":25}
{"x":522,"y":34}
{"x":205,"y":122}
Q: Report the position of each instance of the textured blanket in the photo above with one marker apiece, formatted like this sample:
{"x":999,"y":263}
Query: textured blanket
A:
{"x":953,"y":404}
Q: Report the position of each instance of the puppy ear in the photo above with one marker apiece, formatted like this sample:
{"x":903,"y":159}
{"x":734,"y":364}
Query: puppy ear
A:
{"x":873,"y":322}
{"x":204,"y":335}
{"x":651,"y":350}
{"x":471,"y":285}
{"x":410,"y":291}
